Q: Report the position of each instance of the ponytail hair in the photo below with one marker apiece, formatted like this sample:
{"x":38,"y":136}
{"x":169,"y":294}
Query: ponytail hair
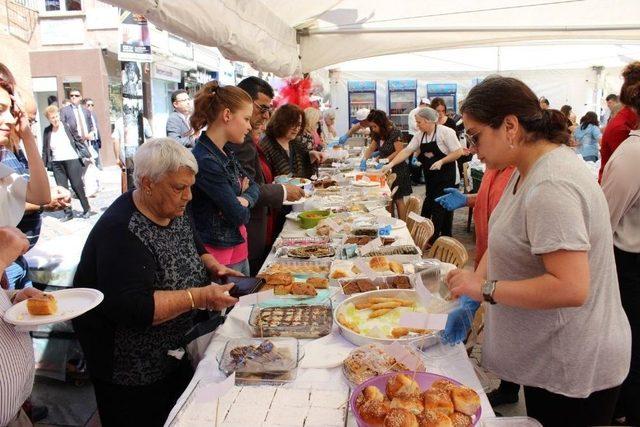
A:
{"x":496,"y":97}
{"x":630,"y":91}
{"x":212,"y":99}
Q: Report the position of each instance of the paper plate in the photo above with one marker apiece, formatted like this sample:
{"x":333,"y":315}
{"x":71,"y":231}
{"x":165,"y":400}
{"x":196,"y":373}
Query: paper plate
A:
{"x":71,"y":303}
{"x":362,"y":183}
{"x":297,"y":202}
{"x":293,"y":216}
{"x":395,"y":223}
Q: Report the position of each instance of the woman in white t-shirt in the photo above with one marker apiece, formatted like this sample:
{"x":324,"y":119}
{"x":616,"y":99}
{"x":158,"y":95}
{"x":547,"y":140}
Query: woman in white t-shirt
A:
{"x":64,"y":157}
{"x":438,"y":148}
{"x":554,"y":322}
{"x":15,"y":190}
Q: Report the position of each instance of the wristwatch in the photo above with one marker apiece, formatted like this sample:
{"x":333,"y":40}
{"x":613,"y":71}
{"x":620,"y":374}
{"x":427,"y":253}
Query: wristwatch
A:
{"x":488,"y":288}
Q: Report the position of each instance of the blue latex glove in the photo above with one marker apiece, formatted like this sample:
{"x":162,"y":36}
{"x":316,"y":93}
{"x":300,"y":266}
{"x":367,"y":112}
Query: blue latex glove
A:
{"x":459,"y":321}
{"x":415,"y":162}
{"x":375,"y":154}
{"x":363,"y":165}
{"x":452,"y":200}
{"x":379,"y":166}
{"x":343,"y":139}
{"x":385,"y":231}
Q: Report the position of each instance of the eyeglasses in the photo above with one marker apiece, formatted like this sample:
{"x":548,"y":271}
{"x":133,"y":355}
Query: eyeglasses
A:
{"x":74,"y":95}
{"x":472,"y":140}
{"x":183,"y":100}
{"x":263,"y":108}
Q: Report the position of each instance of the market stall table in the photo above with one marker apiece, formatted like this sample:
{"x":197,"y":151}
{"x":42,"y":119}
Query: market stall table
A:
{"x":321,"y":365}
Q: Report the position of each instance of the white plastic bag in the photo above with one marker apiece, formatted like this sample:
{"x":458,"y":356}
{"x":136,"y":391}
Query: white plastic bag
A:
{"x":91,"y":180}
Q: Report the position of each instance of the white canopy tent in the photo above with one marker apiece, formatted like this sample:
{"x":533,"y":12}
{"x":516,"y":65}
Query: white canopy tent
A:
{"x":566,"y":73}
{"x":289,"y":36}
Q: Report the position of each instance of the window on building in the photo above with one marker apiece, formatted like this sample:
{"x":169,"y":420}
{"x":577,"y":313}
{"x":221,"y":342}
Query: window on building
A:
{"x":62,"y":5}
{"x":73,"y":4}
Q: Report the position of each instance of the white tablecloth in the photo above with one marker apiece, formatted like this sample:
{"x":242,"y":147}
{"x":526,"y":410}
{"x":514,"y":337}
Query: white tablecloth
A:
{"x":455,"y":365}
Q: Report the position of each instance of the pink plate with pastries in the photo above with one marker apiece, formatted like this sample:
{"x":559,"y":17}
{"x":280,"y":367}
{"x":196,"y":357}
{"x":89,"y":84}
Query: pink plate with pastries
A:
{"x":424,"y":380}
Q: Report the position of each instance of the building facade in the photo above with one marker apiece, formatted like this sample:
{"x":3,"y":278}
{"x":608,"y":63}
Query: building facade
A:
{"x":75,"y":46}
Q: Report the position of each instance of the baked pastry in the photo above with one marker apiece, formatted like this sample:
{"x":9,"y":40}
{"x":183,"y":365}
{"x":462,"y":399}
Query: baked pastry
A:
{"x":282,"y":289}
{"x":339,"y":273}
{"x":431,"y":418}
{"x":401,"y":282}
{"x":399,"y":417}
{"x":458,"y":419}
{"x":444,"y":385}
{"x":279,"y":279}
{"x":365,"y":285}
{"x":318,"y":282}
{"x":372,"y":405}
{"x":396,"y":267}
{"x":323,"y":230}
{"x":350,"y":288}
{"x":465,"y":400}
{"x":402,"y":386}
{"x":438,"y":400}
{"x":42,"y":305}
{"x":412,"y":404}
{"x":303,"y":289}
{"x":379,"y":263}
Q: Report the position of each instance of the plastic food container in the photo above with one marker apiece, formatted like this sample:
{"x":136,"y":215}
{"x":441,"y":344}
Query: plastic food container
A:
{"x":309,"y":219}
{"x":297,"y":321}
{"x":400,"y":281}
{"x":368,"y":361}
{"x":259,"y":355}
{"x":298,"y":268}
{"x":436,"y":306}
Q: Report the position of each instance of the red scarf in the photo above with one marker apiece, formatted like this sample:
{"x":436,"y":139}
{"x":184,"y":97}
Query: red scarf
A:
{"x":268,"y":179}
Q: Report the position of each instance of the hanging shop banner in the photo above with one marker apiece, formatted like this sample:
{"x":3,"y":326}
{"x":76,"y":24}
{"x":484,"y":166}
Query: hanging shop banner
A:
{"x":135,"y":42}
{"x":132,"y":116}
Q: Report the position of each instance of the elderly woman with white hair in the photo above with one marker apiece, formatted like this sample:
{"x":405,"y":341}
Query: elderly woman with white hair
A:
{"x":438,"y":149}
{"x":327,"y":126}
{"x":144,"y":256}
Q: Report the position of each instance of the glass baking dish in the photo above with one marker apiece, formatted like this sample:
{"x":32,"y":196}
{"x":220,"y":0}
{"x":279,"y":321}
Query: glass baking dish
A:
{"x":297,"y":321}
{"x":259,"y":355}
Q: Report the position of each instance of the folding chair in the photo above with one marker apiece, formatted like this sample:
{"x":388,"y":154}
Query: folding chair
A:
{"x":448,"y":249}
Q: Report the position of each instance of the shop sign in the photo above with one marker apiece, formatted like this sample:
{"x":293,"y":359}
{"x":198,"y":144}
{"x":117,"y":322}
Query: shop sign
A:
{"x":164,"y":72}
{"x":135,"y":42}
{"x":180,"y":47}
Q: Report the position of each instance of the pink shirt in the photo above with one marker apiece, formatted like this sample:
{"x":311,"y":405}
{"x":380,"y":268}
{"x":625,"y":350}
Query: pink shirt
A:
{"x":232,"y":255}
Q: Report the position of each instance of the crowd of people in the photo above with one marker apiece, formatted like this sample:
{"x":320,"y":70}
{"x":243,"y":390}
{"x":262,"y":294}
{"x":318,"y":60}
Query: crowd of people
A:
{"x":557,"y":261}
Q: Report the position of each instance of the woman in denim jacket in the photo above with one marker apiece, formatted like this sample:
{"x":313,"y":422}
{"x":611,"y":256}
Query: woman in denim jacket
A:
{"x":588,"y":136}
{"x":223,"y":194}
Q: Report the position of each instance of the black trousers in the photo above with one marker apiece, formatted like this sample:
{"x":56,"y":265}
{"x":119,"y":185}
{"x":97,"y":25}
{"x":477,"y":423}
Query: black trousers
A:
{"x":553,"y":409}
{"x":628,"y":267}
{"x":66,"y":171}
{"x":147,"y":405}
{"x":510,"y":388}
{"x":435,"y":184}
